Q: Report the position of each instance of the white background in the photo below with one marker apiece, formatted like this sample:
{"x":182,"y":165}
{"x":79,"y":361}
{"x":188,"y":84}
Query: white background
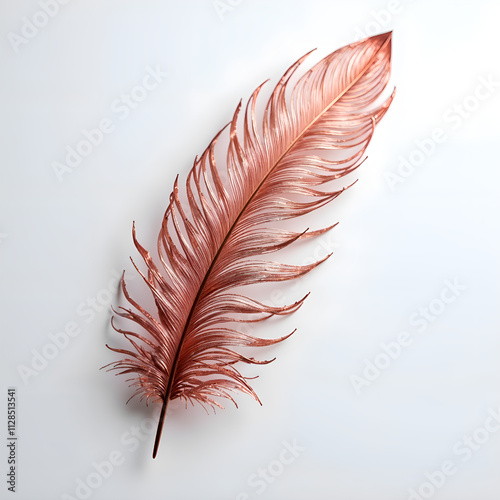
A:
{"x":62,"y":241}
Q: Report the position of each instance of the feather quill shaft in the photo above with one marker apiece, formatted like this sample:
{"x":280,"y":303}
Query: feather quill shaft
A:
{"x":210,"y":246}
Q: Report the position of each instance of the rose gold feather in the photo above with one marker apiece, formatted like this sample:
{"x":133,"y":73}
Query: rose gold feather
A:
{"x":210,"y":245}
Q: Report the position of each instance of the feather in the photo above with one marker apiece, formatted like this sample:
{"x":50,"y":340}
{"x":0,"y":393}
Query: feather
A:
{"x":211,"y":245}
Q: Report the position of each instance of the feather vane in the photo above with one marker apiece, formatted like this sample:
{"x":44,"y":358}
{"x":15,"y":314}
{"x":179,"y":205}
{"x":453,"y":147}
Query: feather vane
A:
{"x":212,"y":245}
